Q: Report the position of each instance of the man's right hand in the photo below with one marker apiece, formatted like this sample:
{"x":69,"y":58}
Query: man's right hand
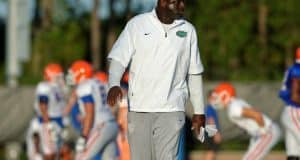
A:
{"x":114,"y":95}
{"x":198,"y":121}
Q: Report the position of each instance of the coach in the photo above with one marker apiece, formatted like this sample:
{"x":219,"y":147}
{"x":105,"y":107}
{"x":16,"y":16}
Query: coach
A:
{"x":161,"y":50}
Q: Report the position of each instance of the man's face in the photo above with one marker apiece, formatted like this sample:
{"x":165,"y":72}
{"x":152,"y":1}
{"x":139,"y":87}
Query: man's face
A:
{"x":181,"y":7}
{"x":175,"y":6}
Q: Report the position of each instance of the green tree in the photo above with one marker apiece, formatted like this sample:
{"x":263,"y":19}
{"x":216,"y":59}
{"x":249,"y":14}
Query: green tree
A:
{"x":60,"y":44}
{"x":246,"y":40}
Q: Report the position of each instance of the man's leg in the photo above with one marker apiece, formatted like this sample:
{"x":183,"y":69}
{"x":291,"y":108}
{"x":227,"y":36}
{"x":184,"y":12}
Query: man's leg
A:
{"x":291,"y":123}
{"x":49,"y":146}
{"x":181,"y":149}
{"x":212,"y":148}
{"x":166,"y":130}
{"x":110,"y":151}
{"x":291,"y":146}
{"x":262,"y":146}
{"x":139,"y":135}
{"x":98,"y":140}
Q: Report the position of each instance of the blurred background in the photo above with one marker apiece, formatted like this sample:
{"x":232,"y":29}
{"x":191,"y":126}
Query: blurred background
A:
{"x":250,"y":43}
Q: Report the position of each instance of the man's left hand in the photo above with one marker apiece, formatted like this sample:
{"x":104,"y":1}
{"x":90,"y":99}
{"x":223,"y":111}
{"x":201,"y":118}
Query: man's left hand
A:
{"x":198,"y":125}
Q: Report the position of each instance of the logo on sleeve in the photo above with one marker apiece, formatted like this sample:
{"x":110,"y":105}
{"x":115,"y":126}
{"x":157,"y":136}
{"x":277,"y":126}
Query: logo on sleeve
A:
{"x":181,"y":34}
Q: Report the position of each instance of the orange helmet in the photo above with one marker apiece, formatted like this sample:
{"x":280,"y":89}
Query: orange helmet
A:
{"x":297,"y":55}
{"x":52,"y":72}
{"x":80,"y":70}
{"x":102,"y":77}
{"x":222,"y":95}
{"x":125,"y":77}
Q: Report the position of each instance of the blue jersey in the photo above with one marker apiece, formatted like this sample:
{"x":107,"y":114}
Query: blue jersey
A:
{"x":210,"y":112}
{"x":285,"y":92}
{"x":57,"y":120}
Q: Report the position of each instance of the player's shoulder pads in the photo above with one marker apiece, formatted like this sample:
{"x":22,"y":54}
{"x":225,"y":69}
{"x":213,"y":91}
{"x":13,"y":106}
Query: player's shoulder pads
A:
{"x":85,"y":88}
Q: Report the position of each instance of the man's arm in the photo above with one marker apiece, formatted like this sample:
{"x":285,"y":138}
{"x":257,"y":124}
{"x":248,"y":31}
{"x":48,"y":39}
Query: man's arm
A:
{"x":253,"y":114}
{"x":196,"y":97}
{"x":119,"y":57}
{"x":88,"y":119}
{"x":84,"y":94}
{"x":116,"y":70}
{"x":72,"y":100}
{"x":196,"y":92}
{"x":217,"y":137}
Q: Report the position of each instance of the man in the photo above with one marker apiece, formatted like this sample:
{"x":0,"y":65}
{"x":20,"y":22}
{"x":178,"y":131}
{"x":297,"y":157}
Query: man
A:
{"x":49,"y":104}
{"x":165,"y":68}
{"x":99,"y":128}
{"x":73,"y":109}
{"x":33,"y":140}
{"x":264,"y":133}
{"x":290,"y":118}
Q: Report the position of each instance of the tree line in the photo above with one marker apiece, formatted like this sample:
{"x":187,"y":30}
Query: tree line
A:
{"x":238,"y":40}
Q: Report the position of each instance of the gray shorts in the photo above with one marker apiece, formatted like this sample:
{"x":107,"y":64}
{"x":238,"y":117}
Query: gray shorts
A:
{"x":155,"y":136}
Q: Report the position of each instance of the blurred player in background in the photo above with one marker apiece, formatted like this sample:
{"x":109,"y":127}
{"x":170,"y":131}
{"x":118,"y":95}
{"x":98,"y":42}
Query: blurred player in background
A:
{"x":122,"y":139}
{"x":212,"y":143}
{"x":102,"y":77}
{"x":76,"y":118}
{"x":72,"y":108}
{"x":264,"y":133}
{"x":290,"y":94}
{"x":99,"y":128}
{"x":33,"y":142}
{"x":49,"y":104}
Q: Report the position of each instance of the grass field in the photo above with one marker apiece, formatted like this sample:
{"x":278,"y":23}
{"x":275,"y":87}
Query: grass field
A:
{"x":236,"y":155}
{"x":229,"y":150}
{"x":199,"y":155}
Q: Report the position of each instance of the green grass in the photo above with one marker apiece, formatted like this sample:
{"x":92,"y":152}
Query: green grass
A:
{"x":230,"y":145}
{"x":239,"y":145}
